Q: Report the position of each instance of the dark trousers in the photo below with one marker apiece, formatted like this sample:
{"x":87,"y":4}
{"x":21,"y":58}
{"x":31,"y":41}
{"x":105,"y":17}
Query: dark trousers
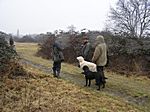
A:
{"x":56,"y":68}
{"x":100,"y":70}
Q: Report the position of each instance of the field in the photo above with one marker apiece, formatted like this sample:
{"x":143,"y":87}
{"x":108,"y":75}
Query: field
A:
{"x":40,"y":92}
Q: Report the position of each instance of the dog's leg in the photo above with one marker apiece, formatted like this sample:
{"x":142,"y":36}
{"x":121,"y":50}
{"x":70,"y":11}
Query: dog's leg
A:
{"x":89,"y":82}
{"x":99,"y":87}
{"x":86,"y":82}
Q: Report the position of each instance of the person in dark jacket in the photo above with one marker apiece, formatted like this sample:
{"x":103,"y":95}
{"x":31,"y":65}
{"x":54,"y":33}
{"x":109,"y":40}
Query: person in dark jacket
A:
{"x":86,"y":49}
{"x":58,"y":57}
{"x":11,"y":43}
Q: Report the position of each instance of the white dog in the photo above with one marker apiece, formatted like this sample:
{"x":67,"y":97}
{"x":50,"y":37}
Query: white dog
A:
{"x":82,"y":63}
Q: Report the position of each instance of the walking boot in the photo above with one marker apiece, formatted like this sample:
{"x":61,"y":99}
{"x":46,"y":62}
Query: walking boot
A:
{"x":54,"y":73}
{"x":58,"y":74}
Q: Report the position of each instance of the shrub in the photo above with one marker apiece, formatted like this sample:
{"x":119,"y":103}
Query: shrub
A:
{"x":8,"y":57}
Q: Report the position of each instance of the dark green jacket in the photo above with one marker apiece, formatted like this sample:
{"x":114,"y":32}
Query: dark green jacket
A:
{"x":86,"y":51}
{"x":57,"y":53}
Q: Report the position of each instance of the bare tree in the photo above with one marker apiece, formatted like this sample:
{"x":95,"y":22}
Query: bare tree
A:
{"x":131,"y":17}
{"x":71,"y":29}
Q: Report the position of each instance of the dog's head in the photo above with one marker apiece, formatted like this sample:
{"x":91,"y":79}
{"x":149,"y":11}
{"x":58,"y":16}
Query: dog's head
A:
{"x":86,"y":69}
{"x":80,"y":59}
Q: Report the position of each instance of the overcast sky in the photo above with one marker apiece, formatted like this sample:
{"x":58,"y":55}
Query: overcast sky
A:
{"x":41,"y":16}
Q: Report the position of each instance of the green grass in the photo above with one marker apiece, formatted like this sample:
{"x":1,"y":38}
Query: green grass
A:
{"x":134,"y":87}
{"x":28,"y":51}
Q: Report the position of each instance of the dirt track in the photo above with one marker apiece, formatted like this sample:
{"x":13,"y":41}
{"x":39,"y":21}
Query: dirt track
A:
{"x":80,"y":81}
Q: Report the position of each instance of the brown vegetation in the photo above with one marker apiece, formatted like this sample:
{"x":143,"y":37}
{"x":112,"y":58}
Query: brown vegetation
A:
{"x":126,"y":55}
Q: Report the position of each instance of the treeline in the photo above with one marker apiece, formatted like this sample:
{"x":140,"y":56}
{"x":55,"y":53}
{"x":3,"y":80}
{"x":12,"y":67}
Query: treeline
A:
{"x":126,"y":55}
{"x":29,"y":38}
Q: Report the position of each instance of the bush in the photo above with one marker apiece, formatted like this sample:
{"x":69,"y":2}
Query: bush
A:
{"x":46,"y":47}
{"x":8,"y":57}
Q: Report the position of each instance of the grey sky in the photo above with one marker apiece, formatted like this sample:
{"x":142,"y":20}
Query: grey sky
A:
{"x":41,"y":16}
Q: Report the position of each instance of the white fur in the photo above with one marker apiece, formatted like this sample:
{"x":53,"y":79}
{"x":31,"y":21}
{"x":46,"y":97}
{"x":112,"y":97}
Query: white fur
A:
{"x":82,"y":62}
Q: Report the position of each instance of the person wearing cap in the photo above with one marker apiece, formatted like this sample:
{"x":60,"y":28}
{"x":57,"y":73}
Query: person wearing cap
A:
{"x":100,"y":56}
{"x":86,"y":49}
{"x":58,"y":57}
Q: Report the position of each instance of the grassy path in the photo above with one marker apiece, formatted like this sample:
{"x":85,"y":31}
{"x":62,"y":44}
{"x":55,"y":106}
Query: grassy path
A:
{"x":134,"y":90}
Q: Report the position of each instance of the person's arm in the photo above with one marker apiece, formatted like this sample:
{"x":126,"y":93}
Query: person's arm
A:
{"x":96,"y":54}
{"x":87,"y":49}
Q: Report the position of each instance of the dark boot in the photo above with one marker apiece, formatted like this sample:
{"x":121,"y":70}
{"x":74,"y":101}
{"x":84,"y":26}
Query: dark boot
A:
{"x":58,"y":74}
{"x":54,"y":72}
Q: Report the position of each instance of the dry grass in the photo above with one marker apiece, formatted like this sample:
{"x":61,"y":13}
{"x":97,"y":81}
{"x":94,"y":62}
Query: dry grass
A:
{"x":87,"y":99}
{"x":40,"y":92}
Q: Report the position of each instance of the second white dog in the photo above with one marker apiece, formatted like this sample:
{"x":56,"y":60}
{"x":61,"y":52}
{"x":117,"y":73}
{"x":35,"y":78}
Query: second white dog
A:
{"x":82,"y":63}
